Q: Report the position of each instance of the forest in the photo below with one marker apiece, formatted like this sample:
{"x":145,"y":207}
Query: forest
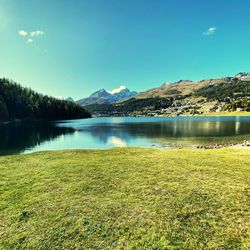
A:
{"x":235,"y":89}
{"x":19,"y":103}
{"x":130,"y":105}
{"x":235,"y":94}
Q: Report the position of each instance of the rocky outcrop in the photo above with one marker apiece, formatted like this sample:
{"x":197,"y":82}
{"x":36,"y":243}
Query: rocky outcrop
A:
{"x":243,"y":76}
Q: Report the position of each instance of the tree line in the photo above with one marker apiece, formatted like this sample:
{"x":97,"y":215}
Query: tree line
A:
{"x":17,"y":102}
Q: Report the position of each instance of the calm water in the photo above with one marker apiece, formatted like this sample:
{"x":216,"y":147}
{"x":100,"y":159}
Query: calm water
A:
{"x":120,"y":132}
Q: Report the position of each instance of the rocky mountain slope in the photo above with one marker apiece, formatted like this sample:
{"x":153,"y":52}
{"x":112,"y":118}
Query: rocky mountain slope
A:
{"x":103,"y":96}
{"x":186,"y":87}
{"x":180,"y":88}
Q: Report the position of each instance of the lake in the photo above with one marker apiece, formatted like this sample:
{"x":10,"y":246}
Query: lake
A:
{"x":101,"y":133}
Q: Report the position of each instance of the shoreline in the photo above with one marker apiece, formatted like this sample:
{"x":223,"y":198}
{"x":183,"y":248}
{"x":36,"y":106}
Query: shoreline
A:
{"x":211,"y":114}
{"x":245,"y":145}
{"x":19,"y":121}
{"x":242,"y":145}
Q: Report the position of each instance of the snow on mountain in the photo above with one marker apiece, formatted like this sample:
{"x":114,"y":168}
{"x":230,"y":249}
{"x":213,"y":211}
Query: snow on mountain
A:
{"x":118,"y":90}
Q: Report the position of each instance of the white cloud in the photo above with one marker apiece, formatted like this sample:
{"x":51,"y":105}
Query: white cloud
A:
{"x":37,"y":33}
{"x":22,"y":33}
{"x":30,"y":36}
{"x":210,"y":31}
{"x":30,"y":40}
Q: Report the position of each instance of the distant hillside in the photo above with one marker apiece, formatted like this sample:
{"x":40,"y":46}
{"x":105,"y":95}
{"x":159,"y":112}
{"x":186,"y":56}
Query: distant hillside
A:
{"x":187,"y":87}
{"x":103,"y":96}
{"x":181,"y":88}
{"x":185,"y":98}
{"x":17,"y":102}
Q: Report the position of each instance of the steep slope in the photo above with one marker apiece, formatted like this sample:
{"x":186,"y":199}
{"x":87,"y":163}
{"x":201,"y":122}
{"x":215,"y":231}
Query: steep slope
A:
{"x":123,"y":95}
{"x":99,"y":97}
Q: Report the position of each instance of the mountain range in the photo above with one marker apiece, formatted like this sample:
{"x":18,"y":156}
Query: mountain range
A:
{"x":184,"y":97}
{"x":104,"y":96}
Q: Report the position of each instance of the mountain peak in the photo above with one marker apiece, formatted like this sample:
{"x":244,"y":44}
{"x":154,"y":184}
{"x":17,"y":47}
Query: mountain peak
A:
{"x":70,"y":99}
{"x":118,"y":90}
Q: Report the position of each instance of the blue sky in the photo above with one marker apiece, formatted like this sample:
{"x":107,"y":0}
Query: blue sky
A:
{"x":74,"y":47}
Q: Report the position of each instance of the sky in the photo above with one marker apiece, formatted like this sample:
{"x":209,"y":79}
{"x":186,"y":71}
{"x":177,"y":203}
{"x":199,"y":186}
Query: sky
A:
{"x":75,"y":47}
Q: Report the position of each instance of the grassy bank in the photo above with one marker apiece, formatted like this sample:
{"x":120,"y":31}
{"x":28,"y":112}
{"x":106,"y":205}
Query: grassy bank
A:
{"x":227,"y":113}
{"x":126,"y":199}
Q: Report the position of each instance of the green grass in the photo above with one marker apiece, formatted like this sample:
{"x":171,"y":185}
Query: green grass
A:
{"x":126,"y":198}
{"x":228,"y":113}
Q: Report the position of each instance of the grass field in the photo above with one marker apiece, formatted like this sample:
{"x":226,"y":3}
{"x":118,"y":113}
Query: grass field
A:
{"x":126,"y":198}
{"x":227,"y":113}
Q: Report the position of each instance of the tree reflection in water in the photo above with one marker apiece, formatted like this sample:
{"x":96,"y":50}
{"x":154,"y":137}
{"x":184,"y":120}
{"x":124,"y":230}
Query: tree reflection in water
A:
{"x":16,"y":138}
